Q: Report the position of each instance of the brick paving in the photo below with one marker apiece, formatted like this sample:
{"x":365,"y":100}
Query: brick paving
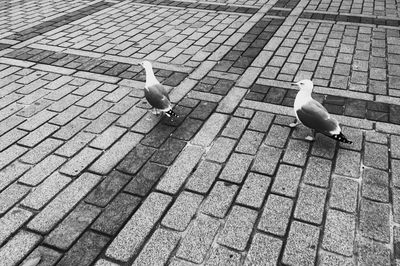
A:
{"x":88,"y":176}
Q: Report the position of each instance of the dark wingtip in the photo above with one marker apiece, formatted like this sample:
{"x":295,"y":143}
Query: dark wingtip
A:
{"x":340,"y":137}
{"x":171,"y":113}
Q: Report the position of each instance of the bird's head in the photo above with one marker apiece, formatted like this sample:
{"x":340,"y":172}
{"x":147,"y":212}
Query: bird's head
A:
{"x":305,"y":85}
{"x":145,"y":64}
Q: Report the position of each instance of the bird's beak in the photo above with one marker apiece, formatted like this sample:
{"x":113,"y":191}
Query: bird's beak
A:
{"x":294,"y":84}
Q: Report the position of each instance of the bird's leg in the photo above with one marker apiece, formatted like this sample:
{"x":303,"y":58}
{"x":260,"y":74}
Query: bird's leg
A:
{"x":310,"y":138}
{"x":294,"y":124}
{"x":154,"y":112}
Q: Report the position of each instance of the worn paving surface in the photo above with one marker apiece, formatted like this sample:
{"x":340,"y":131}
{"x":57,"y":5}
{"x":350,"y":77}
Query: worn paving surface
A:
{"x":90,"y":177}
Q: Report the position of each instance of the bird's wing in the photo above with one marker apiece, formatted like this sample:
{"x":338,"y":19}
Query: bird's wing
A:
{"x":162,"y":90}
{"x":315,"y":116}
{"x":156,"y":97}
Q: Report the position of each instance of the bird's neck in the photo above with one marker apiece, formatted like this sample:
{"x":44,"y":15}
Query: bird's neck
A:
{"x":150,"y":78}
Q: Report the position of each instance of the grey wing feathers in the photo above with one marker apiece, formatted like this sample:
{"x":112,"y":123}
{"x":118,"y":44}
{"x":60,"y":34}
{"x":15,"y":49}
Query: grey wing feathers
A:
{"x":158,"y":97}
{"x":315,"y":116}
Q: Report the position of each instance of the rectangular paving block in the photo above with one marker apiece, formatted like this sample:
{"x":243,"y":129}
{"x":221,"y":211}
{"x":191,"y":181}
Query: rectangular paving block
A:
{"x":11,"y":137}
{"x":11,"y":173}
{"x":221,"y":149}
{"x":221,"y":255}
{"x":376,"y":155}
{"x":116,"y":153}
{"x":182,"y":211}
{"x":180,"y":170}
{"x":131,"y":117}
{"x":339,"y":232}
{"x":112,"y":218}
{"x":374,"y":253}
{"x":10,"y":154}
{"x":80,"y":161}
{"x":277,"y":136}
{"x":254,"y":190}
{"x":236,"y":168}
{"x":264,"y":250}
{"x":301,"y":246}
{"x":203,"y":178}
{"x":395,"y":146}
{"x":266,"y":160}
{"x":96,"y":110}
{"x":43,"y":149}
{"x":72,"y":146}
{"x":209,"y":130}
{"x":135,"y":159}
{"x":235,"y":127}
{"x":12,"y":221}
{"x":48,"y":255}
{"x":296,"y":152}
{"x":145,"y":179}
{"x":11,"y":195}
{"x":42,"y":170}
{"x":229,"y":103}
{"x":375,"y":185}
{"x":158,"y":248}
{"x":287,"y":180}
{"x":75,"y":224}
{"x":67,"y":115}
{"x":238,"y":227}
{"x":318,"y":172}
{"x":219,"y":200}
{"x":348,"y":163}
{"x":132,"y":236}
{"x":63,"y":203}
{"x":197,"y":241}
{"x":261,"y":121}
{"x":374,"y":220}
{"x":276,"y":214}
{"x":85,"y":251}
{"x":72,"y":128}
{"x":344,"y":194}
{"x":38,"y":135}
{"x":310,"y":204}
{"x":18,"y":247}
{"x":101,"y":123}
{"x":42,"y":194}
{"x":249,"y":142}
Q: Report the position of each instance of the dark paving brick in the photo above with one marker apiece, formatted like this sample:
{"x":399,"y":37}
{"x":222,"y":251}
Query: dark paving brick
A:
{"x":187,"y":129}
{"x":136,"y":159}
{"x":203,"y":110}
{"x":142,"y":183}
{"x":158,"y":135}
{"x":168,"y":151}
{"x":374,"y":220}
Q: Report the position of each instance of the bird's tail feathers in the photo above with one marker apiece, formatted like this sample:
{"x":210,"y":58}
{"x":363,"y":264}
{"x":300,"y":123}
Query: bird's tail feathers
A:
{"x":170,"y":113}
{"x":340,"y":137}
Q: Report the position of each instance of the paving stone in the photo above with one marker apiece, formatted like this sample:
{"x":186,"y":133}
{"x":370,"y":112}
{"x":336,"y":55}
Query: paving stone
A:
{"x":11,"y":173}
{"x":310,"y":204}
{"x":39,"y":134}
{"x":235,"y":127}
{"x":116,"y":153}
{"x":253,"y":190}
{"x":222,"y":256}
{"x":373,"y":254}
{"x":136,"y":158}
{"x":47,"y":256}
{"x":301,"y":246}
{"x":296,"y":152}
{"x":277,"y":136}
{"x":11,"y":195}
{"x":43,"y":193}
{"x":108,"y":137}
{"x":327,"y":258}
{"x":80,"y":161}
{"x":266,"y":160}
{"x":75,"y":144}
{"x":85,"y":251}
{"x":376,"y":137}
{"x":63,"y":203}
{"x":324,"y":147}
{"x":101,"y":123}
{"x":348,"y":163}
{"x":107,"y":189}
{"x":375,"y":185}
{"x":374,"y":220}
{"x":264,"y":250}
{"x":96,"y":110}
{"x":287,"y":180}
{"x":158,"y":135}
{"x":395,"y":173}
{"x":376,"y":155}
{"x":203,"y":177}
{"x":72,"y":226}
{"x":249,"y":142}
{"x":221,"y":149}
{"x":197,"y":241}
{"x":396,"y":201}
{"x":158,"y":248}
{"x":66,"y":116}
{"x":209,"y":130}
{"x":42,"y":150}
{"x":236,"y":168}
{"x":276,"y":214}
{"x":318,"y":172}
{"x":12,"y":221}
{"x":132,"y":236}
{"x":261,"y":121}
{"x":228,"y":104}
{"x":203,"y":110}
{"x":180,"y":170}
{"x":42,"y":170}
{"x":182,"y":212}
{"x":344,"y":194}
{"x":395,"y":146}
{"x":71,"y":129}
{"x":219,"y":200}
{"x":18,"y":247}
{"x":237,"y":229}
{"x":339,"y":232}
{"x":396,"y":243}
{"x":112,"y":218}
{"x":187,"y":129}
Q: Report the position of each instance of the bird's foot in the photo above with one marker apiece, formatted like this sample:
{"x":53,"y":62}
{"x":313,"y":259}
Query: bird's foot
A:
{"x":294,"y":124}
{"x":309,"y":138}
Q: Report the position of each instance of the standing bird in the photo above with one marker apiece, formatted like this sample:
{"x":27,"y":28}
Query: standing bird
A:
{"x":313,"y":115}
{"x":155,"y":93}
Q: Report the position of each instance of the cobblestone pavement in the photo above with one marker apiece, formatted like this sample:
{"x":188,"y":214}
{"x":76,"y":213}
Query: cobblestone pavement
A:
{"x":90,"y":177}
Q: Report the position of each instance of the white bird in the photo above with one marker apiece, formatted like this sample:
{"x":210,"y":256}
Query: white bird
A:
{"x":155,"y":93}
{"x":312,"y":114}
